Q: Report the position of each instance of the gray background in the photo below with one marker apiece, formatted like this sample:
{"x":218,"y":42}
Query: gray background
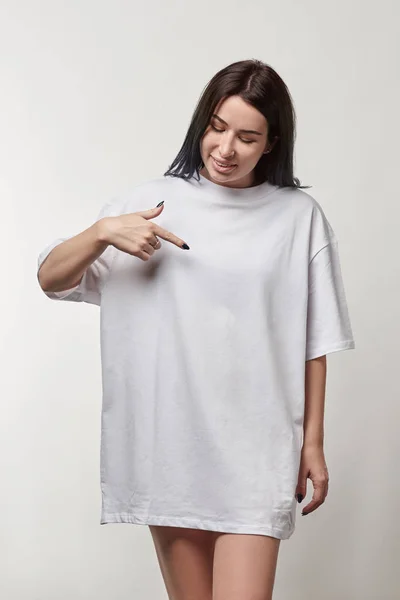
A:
{"x":96,"y":97}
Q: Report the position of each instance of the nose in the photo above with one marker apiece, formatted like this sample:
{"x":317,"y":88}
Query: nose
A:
{"x":226,"y":149}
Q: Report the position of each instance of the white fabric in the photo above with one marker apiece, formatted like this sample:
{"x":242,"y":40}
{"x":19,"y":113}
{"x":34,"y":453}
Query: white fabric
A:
{"x":203,"y":354}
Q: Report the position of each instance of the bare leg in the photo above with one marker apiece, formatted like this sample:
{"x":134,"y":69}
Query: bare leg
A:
{"x":244,"y":566}
{"x":185,"y":557}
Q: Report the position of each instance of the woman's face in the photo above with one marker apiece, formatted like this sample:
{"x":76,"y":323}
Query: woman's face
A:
{"x":236,"y":137}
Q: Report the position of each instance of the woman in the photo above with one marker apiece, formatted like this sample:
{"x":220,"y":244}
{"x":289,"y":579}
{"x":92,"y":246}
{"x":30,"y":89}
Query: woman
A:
{"x":213,"y":359}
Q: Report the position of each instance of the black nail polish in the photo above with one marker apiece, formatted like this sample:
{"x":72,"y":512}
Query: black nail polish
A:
{"x":299,"y":498}
{"x":160,"y":204}
{"x":185,"y":246}
{"x":304,"y":514}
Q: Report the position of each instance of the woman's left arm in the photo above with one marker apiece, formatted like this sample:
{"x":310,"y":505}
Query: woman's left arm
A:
{"x":312,"y":464}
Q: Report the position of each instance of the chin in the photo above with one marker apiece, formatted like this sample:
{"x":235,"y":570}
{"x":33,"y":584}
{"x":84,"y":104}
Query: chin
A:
{"x":236,"y":178}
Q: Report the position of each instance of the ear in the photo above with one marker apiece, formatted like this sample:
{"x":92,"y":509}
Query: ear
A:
{"x":269,"y":147}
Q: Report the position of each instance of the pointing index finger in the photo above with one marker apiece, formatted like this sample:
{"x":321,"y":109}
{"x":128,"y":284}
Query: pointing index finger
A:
{"x":169,"y":237}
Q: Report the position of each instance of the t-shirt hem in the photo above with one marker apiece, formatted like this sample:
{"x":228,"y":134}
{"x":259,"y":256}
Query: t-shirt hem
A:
{"x":221,"y":526}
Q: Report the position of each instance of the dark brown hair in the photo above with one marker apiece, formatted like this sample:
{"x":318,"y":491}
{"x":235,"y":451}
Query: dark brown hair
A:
{"x":259,"y":85}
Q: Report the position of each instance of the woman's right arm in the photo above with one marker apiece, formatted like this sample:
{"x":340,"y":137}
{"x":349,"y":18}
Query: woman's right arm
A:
{"x":76,"y":268}
{"x":66,"y":264}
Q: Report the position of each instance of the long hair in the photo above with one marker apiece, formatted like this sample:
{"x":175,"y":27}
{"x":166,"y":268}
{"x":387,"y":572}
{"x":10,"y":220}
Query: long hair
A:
{"x":259,"y":85}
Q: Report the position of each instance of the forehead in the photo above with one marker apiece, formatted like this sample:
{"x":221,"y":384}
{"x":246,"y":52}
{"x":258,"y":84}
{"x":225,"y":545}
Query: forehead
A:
{"x":239,"y":114}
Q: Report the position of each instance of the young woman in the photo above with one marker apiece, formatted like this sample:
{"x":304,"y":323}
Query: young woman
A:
{"x":214,"y":344}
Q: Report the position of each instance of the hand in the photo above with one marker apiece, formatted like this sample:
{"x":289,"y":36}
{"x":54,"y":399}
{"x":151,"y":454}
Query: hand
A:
{"x":136,"y":234}
{"x":313,"y":466}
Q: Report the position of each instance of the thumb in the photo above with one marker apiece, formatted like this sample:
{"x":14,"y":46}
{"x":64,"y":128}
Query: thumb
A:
{"x":151,"y":213}
{"x":301,"y":489}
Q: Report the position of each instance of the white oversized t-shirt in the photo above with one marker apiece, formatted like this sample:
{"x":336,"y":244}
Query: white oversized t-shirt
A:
{"x":203,"y":354}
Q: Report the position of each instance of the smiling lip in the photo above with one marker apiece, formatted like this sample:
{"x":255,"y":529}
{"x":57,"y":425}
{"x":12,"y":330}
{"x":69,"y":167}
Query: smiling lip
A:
{"x":224,"y":164}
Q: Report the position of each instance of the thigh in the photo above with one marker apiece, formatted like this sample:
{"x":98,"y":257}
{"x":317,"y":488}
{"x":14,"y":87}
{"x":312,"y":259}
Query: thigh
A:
{"x":244,"y":566}
{"x":185,"y":557}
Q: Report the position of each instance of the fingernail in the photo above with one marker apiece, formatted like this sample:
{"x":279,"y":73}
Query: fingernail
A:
{"x":299,"y":498}
{"x":185,"y":246}
{"x":160,"y":204}
{"x":304,"y":514}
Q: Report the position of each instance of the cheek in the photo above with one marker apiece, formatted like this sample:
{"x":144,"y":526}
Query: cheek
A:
{"x":208,"y":141}
{"x":250,"y":153}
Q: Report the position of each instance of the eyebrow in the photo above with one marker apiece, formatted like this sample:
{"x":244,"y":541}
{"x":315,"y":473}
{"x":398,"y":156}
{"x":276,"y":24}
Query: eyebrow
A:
{"x":240,"y":130}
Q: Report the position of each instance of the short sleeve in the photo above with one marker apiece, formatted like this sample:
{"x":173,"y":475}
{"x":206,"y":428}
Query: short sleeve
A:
{"x":94,"y":278}
{"x":328,"y":322}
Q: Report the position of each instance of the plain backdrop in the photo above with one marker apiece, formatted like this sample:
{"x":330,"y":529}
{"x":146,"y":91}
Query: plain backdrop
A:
{"x":96,"y":96}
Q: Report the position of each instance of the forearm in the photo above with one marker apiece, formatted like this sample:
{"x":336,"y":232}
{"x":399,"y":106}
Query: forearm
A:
{"x":66,"y":264}
{"x":315,"y":385}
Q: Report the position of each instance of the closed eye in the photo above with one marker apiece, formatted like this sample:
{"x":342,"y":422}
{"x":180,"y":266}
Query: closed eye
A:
{"x":222,"y":130}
